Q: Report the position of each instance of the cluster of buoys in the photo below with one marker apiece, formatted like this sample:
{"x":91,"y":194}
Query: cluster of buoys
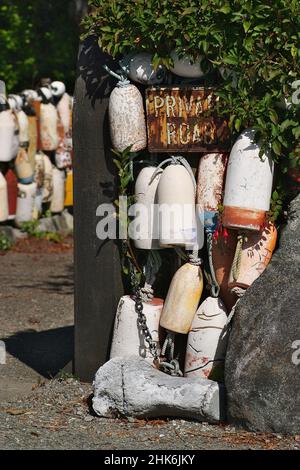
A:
{"x":228,"y":197}
{"x":35,"y":152}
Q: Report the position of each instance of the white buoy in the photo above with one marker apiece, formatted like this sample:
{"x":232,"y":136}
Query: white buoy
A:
{"x":176,"y":198}
{"x":58,"y":197}
{"x":25,"y":203}
{"x":64,"y":111}
{"x":9,"y":136}
{"x":4,"y":210}
{"x":128,"y":336}
{"x":207,"y":340}
{"x":182,"y":300}
{"x":186,"y":67}
{"x":23,"y":167}
{"x":48,"y":127}
{"x":140,"y":69}
{"x":127,"y":119}
{"x":23,"y":124}
{"x":48,"y":179}
{"x":248,"y":184}
{"x":210,"y":183}
{"x":146,"y":222}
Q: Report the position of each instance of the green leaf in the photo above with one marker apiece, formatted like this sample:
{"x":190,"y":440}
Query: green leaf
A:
{"x":276,"y":146}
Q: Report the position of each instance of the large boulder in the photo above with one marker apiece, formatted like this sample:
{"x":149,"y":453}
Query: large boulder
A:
{"x":262,"y":369}
{"x":131,"y":387}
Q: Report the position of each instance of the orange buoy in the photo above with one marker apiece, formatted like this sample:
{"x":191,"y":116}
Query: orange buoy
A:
{"x":252,"y":256}
{"x":223,"y":249}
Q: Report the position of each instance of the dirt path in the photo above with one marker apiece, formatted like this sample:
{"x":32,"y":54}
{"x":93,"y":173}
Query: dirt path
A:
{"x":36,"y":312}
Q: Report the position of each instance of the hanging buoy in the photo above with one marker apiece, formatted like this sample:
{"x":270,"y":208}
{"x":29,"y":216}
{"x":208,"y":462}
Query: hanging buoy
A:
{"x":48,"y":127}
{"x":58,"y":197}
{"x":9,"y":136}
{"x":146,"y":222}
{"x":128,"y":338}
{"x":4,"y":209}
{"x":33,"y":138}
{"x":126,"y":117}
{"x":210,"y":183}
{"x":25,"y":203}
{"x":23,"y":167}
{"x":248,"y":184}
{"x":207,"y":341}
{"x":69,"y":189}
{"x":48,"y":179}
{"x":140,"y":69}
{"x":176,"y":194}
{"x":12,"y":193}
{"x":63,"y":108}
{"x":252,"y":256}
{"x":186,"y":67}
{"x":182,"y":299}
{"x":223,"y":249}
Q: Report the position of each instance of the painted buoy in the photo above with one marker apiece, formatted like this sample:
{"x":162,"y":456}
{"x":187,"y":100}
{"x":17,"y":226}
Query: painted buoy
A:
{"x":58,"y":88}
{"x":176,"y":198}
{"x":4,"y":210}
{"x":25,"y":203}
{"x":210,"y":183}
{"x":146,"y":222}
{"x":39,"y":169}
{"x":248,"y":184}
{"x":63,"y":109}
{"x":23,"y":124}
{"x":140,"y":69}
{"x":127,"y":119}
{"x":186,"y":67}
{"x":12,"y":192}
{"x":23,"y":167}
{"x":182,"y":299}
{"x":254,"y":252}
{"x":48,"y":179}
{"x":69,"y":189}
{"x":128,"y":336}
{"x":9,"y":136}
{"x":48,"y":127}
{"x":207,"y":341}
{"x":33,"y":139}
{"x":58,"y":197}
{"x":223,"y":250}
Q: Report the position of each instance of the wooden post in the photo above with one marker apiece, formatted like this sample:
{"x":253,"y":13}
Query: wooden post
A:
{"x":98,"y":283}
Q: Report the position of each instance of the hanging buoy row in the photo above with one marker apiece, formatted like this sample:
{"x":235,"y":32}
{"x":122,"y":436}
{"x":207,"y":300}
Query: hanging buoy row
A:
{"x":228,"y":202}
{"x":35,"y":152}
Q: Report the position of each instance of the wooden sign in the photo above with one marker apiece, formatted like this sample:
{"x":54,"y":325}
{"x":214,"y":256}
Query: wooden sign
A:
{"x":184,"y":120}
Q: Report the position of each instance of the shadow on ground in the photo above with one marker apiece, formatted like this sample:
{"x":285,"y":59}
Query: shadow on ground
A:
{"x":46,"y":352}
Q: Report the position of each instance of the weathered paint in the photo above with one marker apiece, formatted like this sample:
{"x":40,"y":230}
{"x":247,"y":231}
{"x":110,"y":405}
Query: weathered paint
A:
{"x":148,"y":221}
{"x":182,"y":299}
{"x":48,"y":127}
{"x":177,"y":120}
{"x":207,"y":340}
{"x":25,"y":203}
{"x":256,"y":254}
{"x":9,"y":137}
{"x":127,"y":119}
{"x":23,"y":167}
{"x":48,"y":179}
{"x":4,"y":211}
{"x":176,"y":198}
{"x":33,"y":135}
{"x":223,"y":251}
{"x":128,"y":338}
{"x":248,"y":184}
{"x":58,"y":196}
{"x":210,"y":184}
{"x":23,"y":125}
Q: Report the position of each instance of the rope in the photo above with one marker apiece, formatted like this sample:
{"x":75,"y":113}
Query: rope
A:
{"x":194,"y":258}
{"x":171,"y":366}
{"x":215,"y":288}
{"x":147,"y":293}
{"x":238,"y":291}
{"x":122,"y":80}
{"x":236,"y":263}
{"x":176,"y":160}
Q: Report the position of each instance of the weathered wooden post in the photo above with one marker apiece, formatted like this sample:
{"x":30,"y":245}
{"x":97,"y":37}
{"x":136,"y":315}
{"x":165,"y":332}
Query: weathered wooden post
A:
{"x":98,"y":283}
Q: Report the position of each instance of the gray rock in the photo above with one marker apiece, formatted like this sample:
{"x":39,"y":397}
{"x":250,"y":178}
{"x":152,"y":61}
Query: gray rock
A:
{"x":8,"y":232}
{"x":19,"y":235}
{"x":46,"y":224}
{"x":63,"y":223}
{"x":129,"y":386}
{"x":262,"y":369}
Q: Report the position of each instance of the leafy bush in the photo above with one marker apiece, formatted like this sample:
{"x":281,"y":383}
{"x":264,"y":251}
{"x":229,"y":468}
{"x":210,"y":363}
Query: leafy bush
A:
{"x":5,"y":243}
{"x":254,"y":44}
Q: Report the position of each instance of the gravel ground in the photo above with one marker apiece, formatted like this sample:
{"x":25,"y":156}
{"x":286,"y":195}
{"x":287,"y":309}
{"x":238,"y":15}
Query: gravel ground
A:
{"x":36,"y":306}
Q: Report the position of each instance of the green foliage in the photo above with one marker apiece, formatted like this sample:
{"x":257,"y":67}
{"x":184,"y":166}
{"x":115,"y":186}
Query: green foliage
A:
{"x":253,"y":46}
{"x":31,"y":227}
{"x":38,"y":39}
{"x":5,"y":243}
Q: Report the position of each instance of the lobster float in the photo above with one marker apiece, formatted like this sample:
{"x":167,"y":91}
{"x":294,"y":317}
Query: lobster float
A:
{"x":139,"y":68}
{"x":25,"y":203}
{"x":23,"y":167}
{"x":16,"y":105}
{"x":58,"y":196}
{"x":48,"y":179}
{"x":9,"y":135}
{"x":248,"y":185}
{"x":186,"y":67}
{"x":39,"y":177}
{"x":49,"y":138}
{"x":4,"y":207}
{"x":253,"y":253}
{"x":207,"y":341}
{"x":126,"y":116}
{"x":12,"y":192}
